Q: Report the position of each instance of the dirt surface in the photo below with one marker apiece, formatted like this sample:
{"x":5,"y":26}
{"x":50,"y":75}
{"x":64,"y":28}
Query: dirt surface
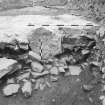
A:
{"x":67,"y":91}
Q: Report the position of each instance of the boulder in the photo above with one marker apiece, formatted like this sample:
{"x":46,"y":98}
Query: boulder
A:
{"x":45,"y":43}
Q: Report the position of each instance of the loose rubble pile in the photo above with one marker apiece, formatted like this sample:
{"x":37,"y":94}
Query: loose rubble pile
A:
{"x":35,"y":63}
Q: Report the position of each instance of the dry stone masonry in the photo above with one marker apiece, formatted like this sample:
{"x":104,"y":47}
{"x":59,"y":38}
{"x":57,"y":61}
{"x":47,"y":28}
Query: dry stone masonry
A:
{"x":36,"y":59}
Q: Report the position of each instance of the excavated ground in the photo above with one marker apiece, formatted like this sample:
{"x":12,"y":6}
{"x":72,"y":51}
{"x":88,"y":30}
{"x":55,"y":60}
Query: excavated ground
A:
{"x":67,"y":90}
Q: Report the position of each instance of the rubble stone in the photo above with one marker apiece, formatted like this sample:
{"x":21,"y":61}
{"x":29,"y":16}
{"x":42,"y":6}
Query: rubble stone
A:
{"x":48,"y":66}
{"x":23,"y":43}
{"x":27,"y":88}
{"x":84,"y":52}
{"x":39,"y":84}
{"x":54,"y":71}
{"x":53,"y":78}
{"x":75,"y":70}
{"x":6,"y":66}
{"x":48,"y":84}
{"x":34,"y":56}
{"x":87,"y":87}
{"x":11,"y":81}
{"x":23,"y":76}
{"x":103,"y":70}
{"x":61,"y":69}
{"x":102,"y":98}
{"x":95,"y":63}
{"x":37,"y":75}
{"x":37,"y":67}
{"x":23,"y":56}
{"x":42,"y":86}
{"x":11,"y":89}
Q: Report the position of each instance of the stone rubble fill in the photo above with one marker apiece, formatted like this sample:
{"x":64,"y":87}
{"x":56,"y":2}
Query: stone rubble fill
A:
{"x":11,"y":89}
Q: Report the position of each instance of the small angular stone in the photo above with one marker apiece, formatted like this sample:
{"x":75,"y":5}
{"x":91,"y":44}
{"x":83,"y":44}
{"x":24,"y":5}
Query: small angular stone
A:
{"x":27,"y":88}
{"x":95,"y":63}
{"x":45,"y":72}
{"x":101,"y":31}
{"x":67,"y":73}
{"x":37,"y":75}
{"x":23,"y":46}
{"x":103,"y":76}
{"x":23,"y":76}
{"x":53,"y":78}
{"x":11,"y":81}
{"x":37,"y":85}
{"x":34,"y":56}
{"x":42,"y":86}
{"x":102,"y":98}
{"x":87,"y":88}
{"x":33,"y":80}
{"x":37,"y":67}
{"x":61,"y":70}
{"x":23,"y":57}
{"x":23,"y":43}
{"x":84,"y":52}
{"x":2,"y":45}
{"x":11,"y":89}
{"x":75,"y":70}
{"x":38,"y":82}
{"x":48,"y":84}
{"x":103,"y":88}
{"x":48,"y":66}
{"x":103,"y":70}
{"x":54,"y":71}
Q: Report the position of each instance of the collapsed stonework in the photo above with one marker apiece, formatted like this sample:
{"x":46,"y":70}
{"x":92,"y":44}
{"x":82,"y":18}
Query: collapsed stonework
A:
{"x":33,"y":61}
{"x":37,"y":51}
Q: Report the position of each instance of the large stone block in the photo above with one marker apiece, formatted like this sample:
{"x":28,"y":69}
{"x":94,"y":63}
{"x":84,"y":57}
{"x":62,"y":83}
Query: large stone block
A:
{"x":45,"y":43}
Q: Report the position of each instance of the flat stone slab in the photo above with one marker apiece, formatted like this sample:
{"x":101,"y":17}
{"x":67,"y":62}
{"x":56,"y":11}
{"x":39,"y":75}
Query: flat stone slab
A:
{"x":6,"y":66}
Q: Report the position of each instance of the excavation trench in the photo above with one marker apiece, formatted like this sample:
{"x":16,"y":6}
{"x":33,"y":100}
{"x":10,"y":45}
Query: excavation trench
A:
{"x":55,"y":60}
